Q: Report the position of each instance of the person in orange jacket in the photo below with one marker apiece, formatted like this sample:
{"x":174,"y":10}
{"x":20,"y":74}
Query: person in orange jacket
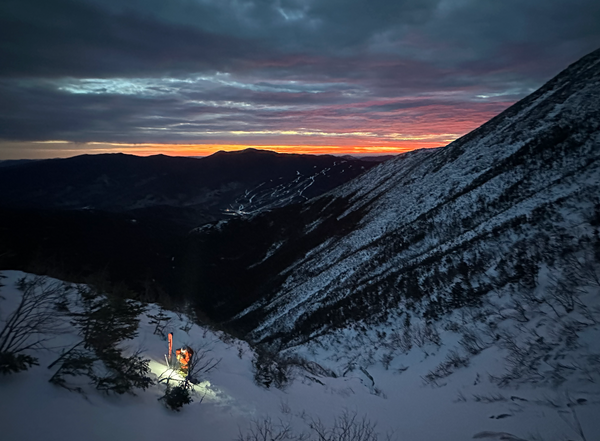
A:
{"x":184,"y":356}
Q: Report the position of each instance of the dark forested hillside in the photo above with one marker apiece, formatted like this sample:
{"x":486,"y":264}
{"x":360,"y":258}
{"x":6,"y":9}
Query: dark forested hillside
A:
{"x":186,"y":191}
{"x":128,"y":217}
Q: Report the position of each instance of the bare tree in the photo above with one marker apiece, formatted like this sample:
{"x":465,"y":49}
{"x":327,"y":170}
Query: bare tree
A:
{"x":267,"y":430}
{"x":201,"y":362}
{"x":346,"y":427}
{"x":161,"y":320}
{"x":33,"y":322}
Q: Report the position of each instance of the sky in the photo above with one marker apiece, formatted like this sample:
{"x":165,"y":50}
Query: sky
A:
{"x":190,"y":77}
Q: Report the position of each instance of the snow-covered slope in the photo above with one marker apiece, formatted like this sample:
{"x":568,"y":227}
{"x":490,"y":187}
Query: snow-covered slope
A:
{"x":395,"y":394}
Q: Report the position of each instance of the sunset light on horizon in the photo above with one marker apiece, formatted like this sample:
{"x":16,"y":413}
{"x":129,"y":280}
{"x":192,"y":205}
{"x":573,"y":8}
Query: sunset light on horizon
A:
{"x":65,"y":149}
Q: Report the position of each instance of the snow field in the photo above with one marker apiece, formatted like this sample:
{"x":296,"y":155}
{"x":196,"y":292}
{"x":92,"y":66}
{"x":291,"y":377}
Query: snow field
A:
{"x":458,"y":407}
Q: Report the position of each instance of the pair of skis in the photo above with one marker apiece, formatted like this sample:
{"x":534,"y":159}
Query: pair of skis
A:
{"x":169,"y":357}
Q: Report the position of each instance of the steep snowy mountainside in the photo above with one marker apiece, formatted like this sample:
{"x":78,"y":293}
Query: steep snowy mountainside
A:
{"x":431,"y":230}
{"x":533,"y":129}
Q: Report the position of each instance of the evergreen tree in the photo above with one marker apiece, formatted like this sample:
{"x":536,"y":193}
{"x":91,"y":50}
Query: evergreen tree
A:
{"x":103,"y":323}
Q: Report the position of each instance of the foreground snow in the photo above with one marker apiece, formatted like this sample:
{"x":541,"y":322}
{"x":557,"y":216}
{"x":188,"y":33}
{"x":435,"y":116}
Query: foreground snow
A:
{"x":463,"y":405}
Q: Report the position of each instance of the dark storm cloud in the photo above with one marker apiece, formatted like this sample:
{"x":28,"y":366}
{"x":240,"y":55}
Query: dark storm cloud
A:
{"x":192,"y":70}
{"x":75,"y":38}
{"x":85,"y":38}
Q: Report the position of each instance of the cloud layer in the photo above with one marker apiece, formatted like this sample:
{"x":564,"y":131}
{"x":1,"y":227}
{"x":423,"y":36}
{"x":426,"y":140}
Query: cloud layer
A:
{"x":387,"y":73}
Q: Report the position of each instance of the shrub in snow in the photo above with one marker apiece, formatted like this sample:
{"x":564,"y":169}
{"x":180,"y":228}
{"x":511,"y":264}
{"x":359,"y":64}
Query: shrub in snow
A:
{"x":12,"y":363}
{"x":176,"y":397}
{"x":274,"y":368}
{"x":454,"y":360}
{"x":271,"y":368}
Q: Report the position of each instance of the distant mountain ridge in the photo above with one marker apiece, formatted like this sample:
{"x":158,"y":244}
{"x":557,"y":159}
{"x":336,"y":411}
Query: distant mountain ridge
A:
{"x":195,"y":190}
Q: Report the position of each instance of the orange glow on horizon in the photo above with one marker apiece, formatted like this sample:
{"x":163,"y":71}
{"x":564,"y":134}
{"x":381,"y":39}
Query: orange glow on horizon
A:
{"x":65,"y":149}
{"x":209,"y":149}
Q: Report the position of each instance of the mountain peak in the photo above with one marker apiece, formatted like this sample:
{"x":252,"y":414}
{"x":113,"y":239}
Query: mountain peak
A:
{"x":245,"y":152}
